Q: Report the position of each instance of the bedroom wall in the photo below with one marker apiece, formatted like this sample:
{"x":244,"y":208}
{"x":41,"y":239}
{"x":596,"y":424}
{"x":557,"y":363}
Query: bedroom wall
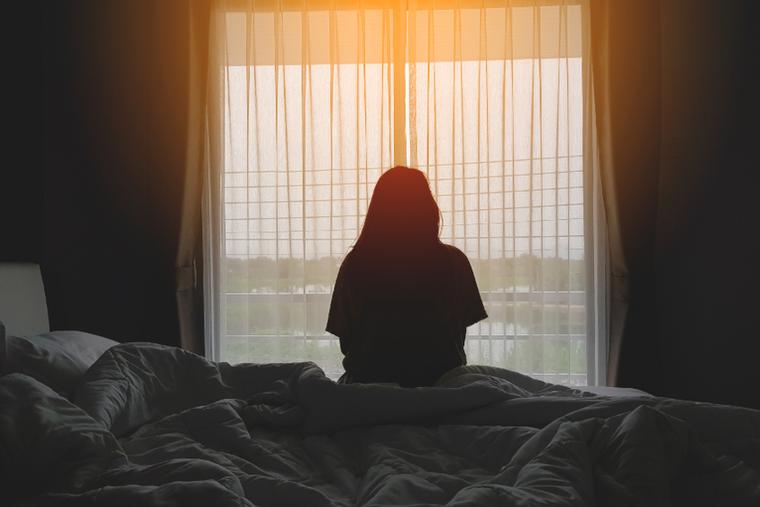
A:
{"x":91,"y":182}
{"x":707,"y":251}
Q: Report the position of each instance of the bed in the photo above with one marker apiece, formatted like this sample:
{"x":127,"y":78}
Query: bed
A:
{"x":146,"y":424}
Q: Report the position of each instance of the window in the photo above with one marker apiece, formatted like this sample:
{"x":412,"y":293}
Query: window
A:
{"x":310,"y":107}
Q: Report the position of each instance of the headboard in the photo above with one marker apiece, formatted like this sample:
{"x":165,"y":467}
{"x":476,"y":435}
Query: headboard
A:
{"x":23,"y":307}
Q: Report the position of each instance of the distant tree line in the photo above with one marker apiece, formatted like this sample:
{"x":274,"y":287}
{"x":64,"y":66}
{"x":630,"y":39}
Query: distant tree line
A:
{"x":265,"y":274}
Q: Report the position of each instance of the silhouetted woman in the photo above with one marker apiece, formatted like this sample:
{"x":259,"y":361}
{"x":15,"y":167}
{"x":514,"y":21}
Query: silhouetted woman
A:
{"x":402,"y":299}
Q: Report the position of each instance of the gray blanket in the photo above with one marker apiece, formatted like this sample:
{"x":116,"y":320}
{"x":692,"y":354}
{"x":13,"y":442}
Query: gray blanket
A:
{"x":154,"y":425}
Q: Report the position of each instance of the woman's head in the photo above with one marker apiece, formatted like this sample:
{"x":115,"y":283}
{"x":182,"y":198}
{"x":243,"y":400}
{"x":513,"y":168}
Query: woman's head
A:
{"x":402,"y":210}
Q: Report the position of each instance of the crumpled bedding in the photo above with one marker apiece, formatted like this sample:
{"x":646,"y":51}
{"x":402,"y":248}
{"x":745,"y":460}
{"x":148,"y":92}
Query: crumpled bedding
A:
{"x":155,"y":425}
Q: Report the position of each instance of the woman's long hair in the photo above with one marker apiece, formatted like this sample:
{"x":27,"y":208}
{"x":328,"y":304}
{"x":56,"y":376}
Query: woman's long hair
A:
{"x":402,"y":216}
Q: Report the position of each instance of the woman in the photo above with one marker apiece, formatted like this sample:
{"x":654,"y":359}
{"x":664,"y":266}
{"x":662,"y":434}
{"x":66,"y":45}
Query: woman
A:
{"x":402,"y":299}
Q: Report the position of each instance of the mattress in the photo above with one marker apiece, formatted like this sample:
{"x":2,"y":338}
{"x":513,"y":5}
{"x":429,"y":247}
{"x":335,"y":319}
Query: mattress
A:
{"x":155,"y":425}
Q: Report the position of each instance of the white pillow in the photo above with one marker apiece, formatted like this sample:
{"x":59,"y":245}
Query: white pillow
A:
{"x":57,"y":359}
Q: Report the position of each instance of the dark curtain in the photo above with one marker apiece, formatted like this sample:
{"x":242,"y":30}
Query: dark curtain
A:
{"x":189,"y":247}
{"x":20,"y":172}
{"x":112,"y":175}
{"x":626,"y":82}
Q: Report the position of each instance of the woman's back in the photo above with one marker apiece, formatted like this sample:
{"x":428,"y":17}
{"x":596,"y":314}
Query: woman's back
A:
{"x":402,"y":318}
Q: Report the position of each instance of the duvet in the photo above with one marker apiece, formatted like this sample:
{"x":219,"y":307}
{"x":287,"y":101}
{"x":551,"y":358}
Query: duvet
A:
{"x":154,"y":425}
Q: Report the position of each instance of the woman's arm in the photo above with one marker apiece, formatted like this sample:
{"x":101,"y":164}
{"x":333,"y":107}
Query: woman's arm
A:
{"x":339,"y":315}
{"x":472,"y":305}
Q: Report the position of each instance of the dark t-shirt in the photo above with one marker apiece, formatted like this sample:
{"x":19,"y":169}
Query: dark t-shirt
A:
{"x":404,"y":321}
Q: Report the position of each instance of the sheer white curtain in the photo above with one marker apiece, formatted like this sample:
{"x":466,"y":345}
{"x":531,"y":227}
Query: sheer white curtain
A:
{"x":310,"y":101}
{"x":496,"y":120}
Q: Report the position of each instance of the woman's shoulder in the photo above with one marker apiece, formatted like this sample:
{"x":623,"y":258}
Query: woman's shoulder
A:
{"x":348,"y":260}
{"x":454,"y":252}
{"x":457,"y":257}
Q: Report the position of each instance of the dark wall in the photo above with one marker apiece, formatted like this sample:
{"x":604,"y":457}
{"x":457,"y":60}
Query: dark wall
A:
{"x":98,"y":192}
{"x":20,"y":168}
{"x":708,"y":252}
